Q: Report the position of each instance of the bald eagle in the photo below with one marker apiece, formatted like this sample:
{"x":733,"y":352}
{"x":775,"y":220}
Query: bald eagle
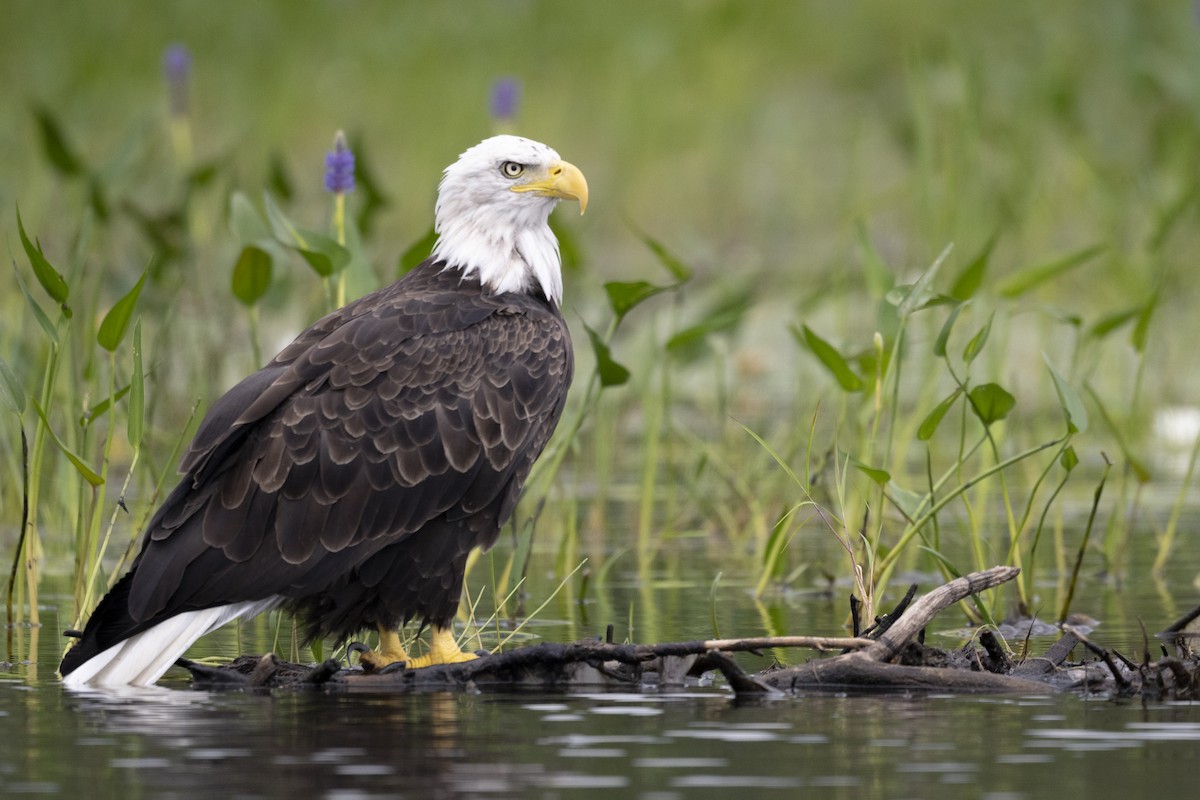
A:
{"x":347,"y":480}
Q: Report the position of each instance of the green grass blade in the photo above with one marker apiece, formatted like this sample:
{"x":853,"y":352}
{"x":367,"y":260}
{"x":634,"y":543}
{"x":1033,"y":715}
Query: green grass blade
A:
{"x":830,"y":357}
{"x":1027,"y":279}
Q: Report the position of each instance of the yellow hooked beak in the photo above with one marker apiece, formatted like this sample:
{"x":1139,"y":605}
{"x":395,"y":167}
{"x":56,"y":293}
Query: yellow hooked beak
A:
{"x":564,"y":181}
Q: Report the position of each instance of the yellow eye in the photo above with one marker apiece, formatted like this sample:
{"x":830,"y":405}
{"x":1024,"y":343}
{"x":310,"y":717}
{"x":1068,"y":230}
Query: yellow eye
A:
{"x":511,"y":169}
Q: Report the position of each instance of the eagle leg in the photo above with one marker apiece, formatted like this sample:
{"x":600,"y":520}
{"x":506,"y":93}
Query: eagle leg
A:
{"x":390,"y":651}
{"x":442,"y":650}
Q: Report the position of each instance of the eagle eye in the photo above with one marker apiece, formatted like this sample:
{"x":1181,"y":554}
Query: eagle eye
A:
{"x":511,"y":169}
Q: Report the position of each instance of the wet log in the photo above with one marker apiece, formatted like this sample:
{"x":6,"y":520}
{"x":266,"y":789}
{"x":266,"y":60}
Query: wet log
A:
{"x":873,"y":667}
{"x":892,"y":658}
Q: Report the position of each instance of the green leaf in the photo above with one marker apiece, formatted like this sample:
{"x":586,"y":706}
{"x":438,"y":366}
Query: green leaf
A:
{"x":624,"y":296}
{"x":13,"y":391}
{"x":54,"y":143}
{"x":1068,"y":398}
{"x":103,"y":407}
{"x":248,"y":225}
{"x":725,"y":315}
{"x":319,"y":251}
{"x":880,"y":476}
{"x":417,"y":252}
{"x":1141,"y":328}
{"x":975,"y":346}
{"x":1110,"y":322}
{"x":278,"y":179}
{"x":46,"y":325}
{"x":677,"y":268}
{"x":116,"y":322}
{"x":991,"y":402}
{"x":1069,"y":459}
{"x":87,"y":472}
{"x":50,"y":278}
{"x":1029,"y":278}
{"x":831,"y":358}
{"x":611,"y":373}
{"x":929,"y":425}
{"x":918,"y":296}
{"x":971,"y":278}
{"x":137,"y":391}
{"x":909,"y":503}
{"x":251,"y":275}
{"x":939,"y":346}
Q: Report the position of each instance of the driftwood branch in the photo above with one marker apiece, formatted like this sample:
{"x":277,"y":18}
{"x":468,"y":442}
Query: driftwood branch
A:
{"x":893,"y":659}
{"x":871,"y":667}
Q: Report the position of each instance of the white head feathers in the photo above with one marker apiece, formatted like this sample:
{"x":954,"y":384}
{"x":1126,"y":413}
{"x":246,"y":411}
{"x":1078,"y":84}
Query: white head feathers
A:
{"x":492,"y":211}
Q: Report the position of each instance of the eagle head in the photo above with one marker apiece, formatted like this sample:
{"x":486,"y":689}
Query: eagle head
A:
{"x":492,"y":214}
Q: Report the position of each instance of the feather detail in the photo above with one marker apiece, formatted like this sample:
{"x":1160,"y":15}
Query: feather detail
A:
{"x":142,"y":659}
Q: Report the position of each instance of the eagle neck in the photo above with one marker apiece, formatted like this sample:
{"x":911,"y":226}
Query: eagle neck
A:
{"x":508,"y":250}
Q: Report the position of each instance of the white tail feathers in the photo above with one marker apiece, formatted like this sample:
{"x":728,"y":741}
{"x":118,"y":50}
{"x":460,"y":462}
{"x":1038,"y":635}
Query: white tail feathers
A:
{"x":142,"y":659}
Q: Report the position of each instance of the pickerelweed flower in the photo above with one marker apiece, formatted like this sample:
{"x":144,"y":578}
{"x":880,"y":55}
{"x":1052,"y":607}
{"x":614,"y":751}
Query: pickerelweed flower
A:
{"x":339,"y":166}
{"x":506,"y":95}
{"x":177,"y":68}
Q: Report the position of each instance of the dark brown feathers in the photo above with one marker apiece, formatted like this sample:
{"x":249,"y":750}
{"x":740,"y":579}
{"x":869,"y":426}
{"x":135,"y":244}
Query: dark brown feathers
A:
{"x":353,"y":473}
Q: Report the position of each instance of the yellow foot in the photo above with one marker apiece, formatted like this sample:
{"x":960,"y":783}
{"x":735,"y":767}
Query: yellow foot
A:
{"x":390,"y":652}
{"x":442,"y":650}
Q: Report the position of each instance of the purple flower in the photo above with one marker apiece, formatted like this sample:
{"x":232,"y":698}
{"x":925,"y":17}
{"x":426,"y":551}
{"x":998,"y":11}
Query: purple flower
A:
{"x":506,"y":93}
{"x":177,"y":67}
{"x":339,"y":166}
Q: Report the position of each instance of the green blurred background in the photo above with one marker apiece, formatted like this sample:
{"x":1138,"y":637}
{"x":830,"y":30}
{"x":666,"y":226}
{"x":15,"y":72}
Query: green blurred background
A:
{"x":751,"y":136}
{"x":777,"y":148}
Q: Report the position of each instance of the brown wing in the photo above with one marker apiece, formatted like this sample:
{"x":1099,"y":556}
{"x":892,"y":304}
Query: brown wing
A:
{"x":429,"y":399}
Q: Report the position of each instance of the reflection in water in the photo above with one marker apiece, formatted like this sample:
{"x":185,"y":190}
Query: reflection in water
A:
{"x":671,"y":745}
{"x":176,"y":742}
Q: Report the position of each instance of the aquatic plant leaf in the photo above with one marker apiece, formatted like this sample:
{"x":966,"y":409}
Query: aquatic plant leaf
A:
{"x":137,"y":392}
{"x":248,"y":225}
{"x":60,"y":155}
{"x":918,"y":296}
{"x":933,"y":419}
{"x":278,"y":180}
{"x":87,"y":472}
{"x":971,"y":277}
{"x":939,"y":346}
{"x":43,"y":321}
{"x":417,"y":252}
{"x":1069,"y":399}
{"x":49,"y":277}
{"x":880,"y":476}
{"x":624,"y":296}
{"x":724,"y":315}
{"x":11,"y":388}
{"x":1029,"y":278}
{"x":372,"y":197}
{"x":1069,"y":460}
{"x":251,"y":275}
{"x":611,"y":373}
{"x":1110,"y":322}
{"x":677,"y":268}
{"x":909,"y":503}
{"x":831,"y":358}
{"x":116,"y":322}
{"x":319,"y":251}
{"x":103,"y":407}
{"x":991,"y":402}
{"x":975,"y":346}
